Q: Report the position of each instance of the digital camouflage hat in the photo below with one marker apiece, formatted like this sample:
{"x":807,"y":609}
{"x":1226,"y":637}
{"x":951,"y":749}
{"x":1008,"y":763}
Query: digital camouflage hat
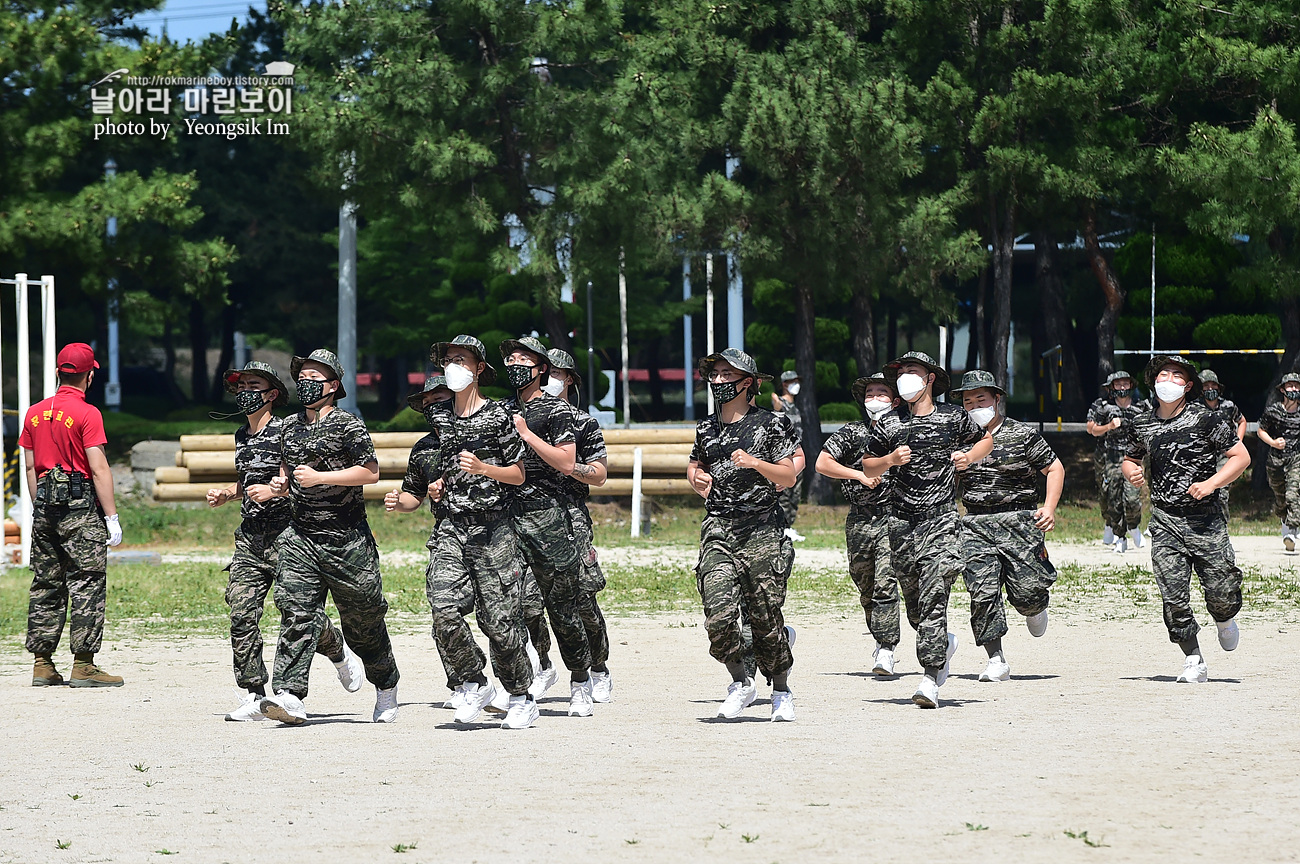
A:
{"x":438,"y":350}
{"x":262,"y":370}
{"x":1289,"y":378}
{"x":978,"y":379}
{"x":942,"y":381}
{"x":1208,"y":377}
{"x":433,"y":382}
{"x":789,"y":375}
{"x":564,"y":360}
{"x":1160,"y":361}
{"x":529,"y":344}
{"x":325,"y":358}
{"x":1117,"y":375}
{"x":859,"y":387}
{"x":735,"y":358}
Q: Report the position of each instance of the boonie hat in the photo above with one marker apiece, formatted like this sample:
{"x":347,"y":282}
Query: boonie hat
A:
{"x":325,"y":358}
{"x":530,"y":344}
{"x":1117,"y":375}
{"x":564,"y":360}
{"x":1160,"y":361}
{"x":733,"y":357}
{"x":433,"y":382}
{"x":942,"y":381}
{"x":262,"y":370}
{"x":859,"y":387}
{"x":438,"y":350}
{"x":978,"y":379}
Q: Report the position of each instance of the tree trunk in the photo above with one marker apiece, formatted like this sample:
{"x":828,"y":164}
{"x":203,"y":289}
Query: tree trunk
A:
{"x":1111,"y":290}
{"x":1056,"y":326}
{"x":199,"y":352}
{"x":891,"y":332}
{"x":227,"y":358}
{"x":557,"y":326}
{"x":805,"y":363}
{"x":174,"y":392}
{"x":973,"y":343}
{"x":1003,"y":230}
{"x":981,"y":334}
{"x":1290,"y":315}
{"x":862,"y":320}
{"x":656,"y":383}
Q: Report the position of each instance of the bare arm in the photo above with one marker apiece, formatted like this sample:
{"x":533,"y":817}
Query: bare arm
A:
{"x":1238,"y":462}
{"x":357,"y":475}
{"x":561,"y":457}
{"x":1099,"y":429}
{"x":591,"y":473}
{"x":1241,"y":428}
{"x":103,"y":477}
{"x":217,"y":497}
{"x":1045,"y":517}
{"x":828,"y":467}
{"x":781,"y":473}
{"x":401,"y":501}
{"x":510,"y":474}
{"x":1275,"y":443}
{"x":701,"y":481}
{"x":29,"y":461}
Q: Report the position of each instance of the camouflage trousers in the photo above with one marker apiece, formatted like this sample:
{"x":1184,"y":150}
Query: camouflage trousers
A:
{"x":551,"y":549}
{"x":1181,"y":544}
{"x":789,"y":501}
{"x":475,"y":566}
{"x":867,"y":538}
{"x":1284,"y":480}
{"x":1004,"y":550}
{"x":252,"y":576}
{"x":590,"y":584}
{"x":926,"y":556}
{"x":69,"y":572}
{"x":744,"y":565}
{"x":347,"y":568}
{"x":1121,"y":505}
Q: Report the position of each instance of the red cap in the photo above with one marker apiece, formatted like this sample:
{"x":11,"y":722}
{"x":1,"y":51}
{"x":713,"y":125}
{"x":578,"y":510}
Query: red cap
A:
{"x":77,"y":357}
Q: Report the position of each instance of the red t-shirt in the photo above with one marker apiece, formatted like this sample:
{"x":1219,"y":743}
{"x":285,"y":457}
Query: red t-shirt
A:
{"x":59,"y":429}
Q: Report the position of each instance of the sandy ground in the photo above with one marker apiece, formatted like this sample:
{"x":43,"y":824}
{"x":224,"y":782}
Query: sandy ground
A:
{"x":1091,"y":735}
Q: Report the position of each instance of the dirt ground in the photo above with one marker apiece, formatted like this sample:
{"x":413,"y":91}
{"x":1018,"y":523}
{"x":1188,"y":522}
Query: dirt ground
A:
{"x":1090,"y":753}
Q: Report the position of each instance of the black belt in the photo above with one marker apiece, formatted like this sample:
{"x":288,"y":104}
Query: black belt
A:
{"x":485,"y":518}
{"x":1200,"y":508}
{"x":917,"y":516}
{"x":875,"y":511}
{"x":532,"y":505}
{"x":987,"y":509}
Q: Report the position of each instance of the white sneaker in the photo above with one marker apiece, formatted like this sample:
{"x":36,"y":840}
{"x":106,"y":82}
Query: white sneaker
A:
{"x":782,"y":706}
{"x":285,"y":707}
{"x":542,"y":682}
{"x":580,"y":700}
{"x":1229,"y":635}
{"x":500,"y":703}
{"x":522,"y":714}
{"x":1194,"y":670}
{"x":997,"y":670}
{"x":1121,"y":545}
{"x":927,"y":695}
{"x":1289,"y":539}
{"x":532,"y":657}
{"x":740,"y":695}
{"x":1135,"y":534}
{"x":1037,"y":624}
{"x":250,"y":708}
{"x":947,"y":663}
{"x":456,"y":699}
{"x":602,"y":687}
{"x":385,"y":705}
{"x":476,"y":697}
{"x":351,"y":671}
{"x":1108,"y":536}
{"x":790,"y":634}
{"x":884,"y":662}
{"x":794,"y":535}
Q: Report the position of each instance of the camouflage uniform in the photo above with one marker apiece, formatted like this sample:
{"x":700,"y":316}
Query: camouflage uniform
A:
{"x":328,"y":548}
{"x":474,"y":558}
{"x":1121,"y":504}
{"x":866,"y":533}
{"x":69,"y":561}
{"x":590,"y":443}
{"x":1187,"y":534}
{"x":1228,"y":410}
{"x":745,"y":557}
{"x":1000,"y":542}
{"x":790,"y":497}
{"x":252,"y":568}
{"x":925,"y":537}
{"x":1283,"y":466}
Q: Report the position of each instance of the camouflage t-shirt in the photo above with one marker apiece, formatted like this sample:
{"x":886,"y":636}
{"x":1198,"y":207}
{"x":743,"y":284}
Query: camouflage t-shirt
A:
{"x":1113,"y":444}
{"x":1009,"y":475}
{"x":550,"y":419}
{"x":1227,"y":409}
{"x":590,"y":443}
{"x":740,"y":493}
{"x":335,"y":442}
{"x":489,"y":433}
{"x":847,"y":445}
{"x":1183,"y":450}
{"x":423,"y":467}
{"x":929,"y":479}
{"x":257,"y":462}
{"x":1280,"y":423}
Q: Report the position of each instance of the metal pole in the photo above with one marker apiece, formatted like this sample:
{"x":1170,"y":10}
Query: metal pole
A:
{"x":347,"y":340}
{"x":24,"y":405}
{"x":708,"y":318}
{"x":687,"y":342}
{"x":735,"y":283}
{"x":591,"y":355}
{"x":1153,"y":289}
{"x":622,"y":323}
{"x":50,"y":348}
{"x":113,"y":389}
{"x":943,"y":354}
{"x":636,"y":492}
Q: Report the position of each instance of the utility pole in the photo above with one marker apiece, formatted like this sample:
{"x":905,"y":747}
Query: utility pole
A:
{"x":113,"y":389}
{"x":347,"y":340}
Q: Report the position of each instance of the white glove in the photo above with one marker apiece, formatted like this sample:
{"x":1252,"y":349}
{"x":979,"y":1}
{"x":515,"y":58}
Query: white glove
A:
{"x":114,"y":530}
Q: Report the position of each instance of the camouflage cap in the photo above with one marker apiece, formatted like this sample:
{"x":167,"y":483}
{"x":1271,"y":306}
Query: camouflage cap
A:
{"x":942,"y":381}
{"x":789,"y":375}
{"x":438,"y":350}
{"x":433,"y":382}
{"x":1160,"y":361}
{"x":978,"y":379}
{"x":1117,"y":375}
{"x":325,"y":358}
{"x":262,"y":370}
{"x":1208,"y":377}
{"x":733,"y":357}
{"x":529,"y":344}
{"x":859,"y":387}
{"x":1289,"y":378}
{"x":564,"y":360}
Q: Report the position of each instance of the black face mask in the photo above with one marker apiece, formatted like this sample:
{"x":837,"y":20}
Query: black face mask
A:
{"x":1293,"y":395}
{"x":435,"y":412}
{"x":1211,"y":395}
{"x":310,"y":391}
{"x":1123,"y":394}
{"x":725,"y":391}
{"x":250,"y":401}
{"x":520,"y":377}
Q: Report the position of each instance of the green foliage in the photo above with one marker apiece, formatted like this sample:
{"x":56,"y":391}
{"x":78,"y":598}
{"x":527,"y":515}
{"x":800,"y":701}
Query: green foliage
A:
{"x":840,"y":412}
{"x":1238,"y":331}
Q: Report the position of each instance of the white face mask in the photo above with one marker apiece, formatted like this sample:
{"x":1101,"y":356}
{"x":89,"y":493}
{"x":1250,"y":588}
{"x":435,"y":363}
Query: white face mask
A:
{"x":553,"y":386}
{"x":910,"y":386}
{"x":877,"y":407}
{"x":1168,"y":391}
{"x":792,"y":389}
{"x":458,"y":377}
{"x":983,"y":416}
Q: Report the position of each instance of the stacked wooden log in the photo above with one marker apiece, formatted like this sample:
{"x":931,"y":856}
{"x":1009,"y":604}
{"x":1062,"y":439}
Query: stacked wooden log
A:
{"x":208,"y":462}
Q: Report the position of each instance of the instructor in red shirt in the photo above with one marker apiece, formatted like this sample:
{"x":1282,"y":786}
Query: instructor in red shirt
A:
{"x":74,"y":520}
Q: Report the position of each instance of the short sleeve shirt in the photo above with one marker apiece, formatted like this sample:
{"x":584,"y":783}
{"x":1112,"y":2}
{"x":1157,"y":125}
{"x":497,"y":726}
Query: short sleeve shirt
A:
{"x":847,"y":445}
{"x":1227,"y":409}
{"x":1280,"y":423}
{"x":257,"y":462}
{"x":1183,"y":450}
{"x":335,"y":442}
{"x":423,"y":467}
{"x":59,"y":429}
{"x":1008,"y":476}
{"x":742,"y":493}
{"x":489,"y":433}
{"x":1114,"y":443}
{"x":929,"y":479}
{"x":590,"y":443}
{"x":550,"y":419}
